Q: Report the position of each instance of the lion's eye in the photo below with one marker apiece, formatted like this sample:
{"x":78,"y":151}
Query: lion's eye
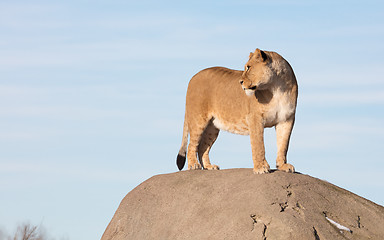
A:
{"x":247,"y":67}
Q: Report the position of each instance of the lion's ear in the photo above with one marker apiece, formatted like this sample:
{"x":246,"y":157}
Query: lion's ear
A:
{"x":261,"y":55}
{"x":250,"y":55}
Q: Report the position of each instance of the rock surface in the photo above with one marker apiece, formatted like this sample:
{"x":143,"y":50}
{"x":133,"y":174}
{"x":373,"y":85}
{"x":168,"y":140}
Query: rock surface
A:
{"x":237,"y":204}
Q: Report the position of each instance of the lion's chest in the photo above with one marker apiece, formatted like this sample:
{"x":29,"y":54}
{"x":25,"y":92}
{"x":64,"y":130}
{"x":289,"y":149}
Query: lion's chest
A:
{"x":278,"y":110}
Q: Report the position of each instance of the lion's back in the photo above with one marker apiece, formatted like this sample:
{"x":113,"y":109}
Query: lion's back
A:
{"x":215,"y":75}
{"x":212,"y":83}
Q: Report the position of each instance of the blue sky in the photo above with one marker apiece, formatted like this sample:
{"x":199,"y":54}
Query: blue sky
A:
{"x":92,"y":97}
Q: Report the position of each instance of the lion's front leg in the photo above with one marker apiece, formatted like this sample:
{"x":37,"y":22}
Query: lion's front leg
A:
{"x":256,"y":132}
{"x":283,"y":134}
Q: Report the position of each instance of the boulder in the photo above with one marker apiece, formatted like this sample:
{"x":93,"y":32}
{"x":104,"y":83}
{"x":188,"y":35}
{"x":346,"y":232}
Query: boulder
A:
{"x":237,"y":204}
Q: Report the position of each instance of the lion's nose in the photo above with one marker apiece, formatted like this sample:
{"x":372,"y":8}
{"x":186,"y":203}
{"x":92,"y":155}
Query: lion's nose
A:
{"x":241,"y":82}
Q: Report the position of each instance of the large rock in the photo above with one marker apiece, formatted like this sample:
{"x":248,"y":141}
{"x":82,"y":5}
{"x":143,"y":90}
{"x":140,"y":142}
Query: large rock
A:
{"x":237,"y":204}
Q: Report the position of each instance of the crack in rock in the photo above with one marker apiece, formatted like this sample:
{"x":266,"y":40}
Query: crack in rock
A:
{"x":264,"y":232}
{"x":289,"y":193}
{"x":358,"y":222}
{"x":283,"y":206}
{"x":315,"y":234}
{"x":325,"y":213}
{"x":299,"y":208}
{"x":256,"y":220}
{"x":287,"y":186}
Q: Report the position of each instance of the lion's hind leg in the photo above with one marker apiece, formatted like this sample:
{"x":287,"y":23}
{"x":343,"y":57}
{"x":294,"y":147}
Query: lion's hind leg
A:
{"x":207,"y":140}
{"x":195,"y":135}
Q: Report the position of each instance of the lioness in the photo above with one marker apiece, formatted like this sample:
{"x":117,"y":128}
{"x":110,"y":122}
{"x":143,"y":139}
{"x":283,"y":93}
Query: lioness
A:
{"x":241,"y":102}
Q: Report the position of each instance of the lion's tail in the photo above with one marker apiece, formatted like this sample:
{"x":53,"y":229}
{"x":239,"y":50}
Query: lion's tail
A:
{"x":180,"y":161}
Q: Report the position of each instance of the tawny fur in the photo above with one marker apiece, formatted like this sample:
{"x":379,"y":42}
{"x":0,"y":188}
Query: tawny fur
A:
{"x":241,"y":102}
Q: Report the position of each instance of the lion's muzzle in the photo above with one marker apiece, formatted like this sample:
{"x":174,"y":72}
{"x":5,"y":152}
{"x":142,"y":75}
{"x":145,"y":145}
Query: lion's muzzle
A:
{"x":249,"y":90}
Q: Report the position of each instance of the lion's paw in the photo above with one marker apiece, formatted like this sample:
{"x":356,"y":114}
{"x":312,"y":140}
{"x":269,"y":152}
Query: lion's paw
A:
{"x":286,"y":167}
{"x":263,"y":169}
{"x":194,"y":166}
{"x":212,"y":167}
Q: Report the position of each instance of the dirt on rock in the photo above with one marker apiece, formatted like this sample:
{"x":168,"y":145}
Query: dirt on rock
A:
{"x":237,"y":204}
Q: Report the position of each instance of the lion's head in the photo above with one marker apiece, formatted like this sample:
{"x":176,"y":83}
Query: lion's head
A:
{"x":257,"y":73}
